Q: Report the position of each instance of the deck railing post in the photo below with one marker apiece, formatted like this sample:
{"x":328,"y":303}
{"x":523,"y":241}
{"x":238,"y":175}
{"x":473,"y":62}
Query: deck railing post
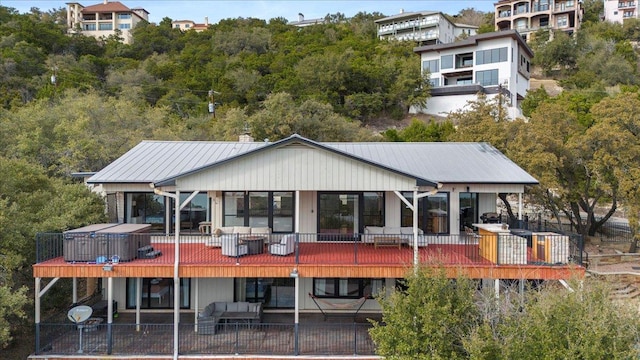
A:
{"x":237,"y":345}
{"x":296,"y":340}
{"x":355,"y":338}
{"x":355,"y":248}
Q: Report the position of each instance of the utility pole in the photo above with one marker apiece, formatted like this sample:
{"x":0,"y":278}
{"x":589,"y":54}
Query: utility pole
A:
{"x":212,"y":103}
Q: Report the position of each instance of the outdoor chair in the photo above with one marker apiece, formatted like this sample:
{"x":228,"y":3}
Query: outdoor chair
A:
{"x":285,"y":247}
{"x":231,"y":247}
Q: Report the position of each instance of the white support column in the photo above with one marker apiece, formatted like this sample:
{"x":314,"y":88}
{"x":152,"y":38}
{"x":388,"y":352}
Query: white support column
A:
{"x":74,"y":294}
{"x":109,"y":300}
{"x":37,"y":300}
{"x":176,"y":278}
{"x":520,"y":207}
{"x":497,"y":288}
{"x":138,"y":301}
{"x":296,"y":227}
{"x":416,"y":256}
{"x":196,"y":303}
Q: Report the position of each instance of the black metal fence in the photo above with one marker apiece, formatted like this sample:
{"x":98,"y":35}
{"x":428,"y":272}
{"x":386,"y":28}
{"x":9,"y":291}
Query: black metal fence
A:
{"x":231,"y":339}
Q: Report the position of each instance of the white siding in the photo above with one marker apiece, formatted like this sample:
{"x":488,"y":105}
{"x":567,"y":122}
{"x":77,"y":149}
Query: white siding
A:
{"x":315,"y":170}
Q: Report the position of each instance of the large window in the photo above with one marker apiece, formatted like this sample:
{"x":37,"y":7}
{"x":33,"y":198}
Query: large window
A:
{"x":107,"y":27}
{"x":446,"y":61}
{"x":124,"y":16}
{"x":272,"y":292}
{"x":157,"y":293}
{"x":260,"y":209}
{"x":431,"y":66}
{"x":342,"y":215}
{"x":193,"y":213}
{"x":347,"y":288}
{"x":89,"y":27}
{"x":146,"y":208}
{"x":433,"y":213}
{"x":468,"y":209}
{"x":487,"y":77}
{"x":491,"y":56}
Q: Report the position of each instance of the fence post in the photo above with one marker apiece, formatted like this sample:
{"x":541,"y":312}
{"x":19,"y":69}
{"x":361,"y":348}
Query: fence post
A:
{"x":296,"y":340}
{"x":355,"y":338}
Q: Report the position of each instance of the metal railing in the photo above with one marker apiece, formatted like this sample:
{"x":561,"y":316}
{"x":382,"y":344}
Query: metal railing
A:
{"x":230,"y":339}
{"x":338,"y":249}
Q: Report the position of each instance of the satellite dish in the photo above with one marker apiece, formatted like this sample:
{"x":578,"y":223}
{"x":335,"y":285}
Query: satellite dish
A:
{"x":80,"y":314}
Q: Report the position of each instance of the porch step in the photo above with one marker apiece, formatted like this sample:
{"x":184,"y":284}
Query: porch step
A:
{"x":624,"y":291}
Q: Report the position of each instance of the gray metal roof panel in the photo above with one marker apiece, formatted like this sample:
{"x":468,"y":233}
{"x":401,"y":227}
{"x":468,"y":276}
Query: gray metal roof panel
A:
{"x":154,"y":161}
{"x":443,"y":162}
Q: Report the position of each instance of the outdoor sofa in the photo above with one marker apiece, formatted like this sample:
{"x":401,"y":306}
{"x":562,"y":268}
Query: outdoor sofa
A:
{"x":221,"y":311}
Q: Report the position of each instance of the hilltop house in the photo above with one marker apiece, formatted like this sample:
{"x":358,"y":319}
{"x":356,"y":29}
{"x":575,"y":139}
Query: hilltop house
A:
{"x":619,"y":10}
{"x":102,"y":20}
{"x":423,"y":27}
{"x":490,"y":63}
{"x":529,"y":16}
{"x":185,"y":25}
{"x":294,"y":225}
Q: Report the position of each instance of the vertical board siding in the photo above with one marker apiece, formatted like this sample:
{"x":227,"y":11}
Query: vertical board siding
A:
{"x":315,"y":170}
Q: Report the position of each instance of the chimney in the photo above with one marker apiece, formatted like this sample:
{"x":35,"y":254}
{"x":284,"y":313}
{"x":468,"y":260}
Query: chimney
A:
{"x":206,"y":21}
{"x":106,"y":2}
{"x":245,"y":138}
{"x":300,"y":17}
{"x":401,"y":11}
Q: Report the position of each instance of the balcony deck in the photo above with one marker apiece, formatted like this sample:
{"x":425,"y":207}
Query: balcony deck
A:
{"x":317,"y":259}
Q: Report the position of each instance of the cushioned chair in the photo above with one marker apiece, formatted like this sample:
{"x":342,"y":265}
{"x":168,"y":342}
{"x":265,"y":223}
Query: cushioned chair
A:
{"x":286,"y":246}
{"x":231,"y":247}
{"x":207,"y":320}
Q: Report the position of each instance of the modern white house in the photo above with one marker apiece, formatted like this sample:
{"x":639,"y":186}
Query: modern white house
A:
{"x":619,"y":10}
{"x":423,"y":27}
{"x":491,"y":63}
{"x":292,"y":227}
{"x":529,"y":16}
{"x":102,"y":20}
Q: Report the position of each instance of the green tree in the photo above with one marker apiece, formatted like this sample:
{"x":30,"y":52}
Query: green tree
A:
{"x":429,"y":320}
{"x":552,"y":323}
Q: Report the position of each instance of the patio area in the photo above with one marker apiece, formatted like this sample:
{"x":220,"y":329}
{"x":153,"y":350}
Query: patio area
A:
{"x":276,"y":335}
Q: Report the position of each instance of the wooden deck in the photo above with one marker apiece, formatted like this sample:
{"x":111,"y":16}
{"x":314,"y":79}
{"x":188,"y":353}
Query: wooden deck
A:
{"x":319,"y":259}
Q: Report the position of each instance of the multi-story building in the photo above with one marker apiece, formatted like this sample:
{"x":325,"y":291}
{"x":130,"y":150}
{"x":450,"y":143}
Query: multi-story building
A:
{"x":102,"y":20}
{"x":529,"y":16}
{"x":185,"y":25}
{"x":424,"y":27}
{"x":292,"y":227}
{"x":620,"y":10}
{"x":490,"y":63}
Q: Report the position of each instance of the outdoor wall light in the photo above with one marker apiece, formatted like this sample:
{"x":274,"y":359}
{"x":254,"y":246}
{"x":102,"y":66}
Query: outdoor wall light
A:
{"x":294,"y":273}
{"x":107,"y":267}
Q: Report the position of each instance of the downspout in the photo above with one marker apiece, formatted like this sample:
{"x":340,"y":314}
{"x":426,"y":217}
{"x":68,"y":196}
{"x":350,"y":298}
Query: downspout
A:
{"x":176,"y":261}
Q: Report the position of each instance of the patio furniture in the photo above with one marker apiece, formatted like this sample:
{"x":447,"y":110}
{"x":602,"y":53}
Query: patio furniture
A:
{"x":221,"y":233}
{"x":232,"y":247}
{"x":391,"y":236}
{"x":223,"y":311}
{"x":285,"y":247}
{"x":254,"y":243}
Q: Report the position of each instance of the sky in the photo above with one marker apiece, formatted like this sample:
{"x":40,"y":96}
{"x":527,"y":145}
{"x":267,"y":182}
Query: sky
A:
{"x":288,"y":9}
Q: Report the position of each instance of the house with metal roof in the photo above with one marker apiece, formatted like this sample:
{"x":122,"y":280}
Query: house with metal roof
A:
{"x":297,"y":226}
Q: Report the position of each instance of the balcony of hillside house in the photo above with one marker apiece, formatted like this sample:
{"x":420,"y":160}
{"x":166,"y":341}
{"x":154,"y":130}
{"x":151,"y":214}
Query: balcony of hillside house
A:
{"x":513,"y":253}
{"x":276,"y":335}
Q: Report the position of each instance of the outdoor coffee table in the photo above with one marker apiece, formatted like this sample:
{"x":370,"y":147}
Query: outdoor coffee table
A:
{"x":255,"y":244}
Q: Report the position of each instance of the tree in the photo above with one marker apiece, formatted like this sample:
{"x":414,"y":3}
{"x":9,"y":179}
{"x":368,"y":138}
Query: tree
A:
{"x":429,"y":320}
{"x":615,"y":137}
{"x":554,"y":323}
{"x":553,"y":147}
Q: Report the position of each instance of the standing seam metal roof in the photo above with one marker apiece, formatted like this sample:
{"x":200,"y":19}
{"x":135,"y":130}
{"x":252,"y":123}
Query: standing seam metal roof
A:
{"x":155,"y":161}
